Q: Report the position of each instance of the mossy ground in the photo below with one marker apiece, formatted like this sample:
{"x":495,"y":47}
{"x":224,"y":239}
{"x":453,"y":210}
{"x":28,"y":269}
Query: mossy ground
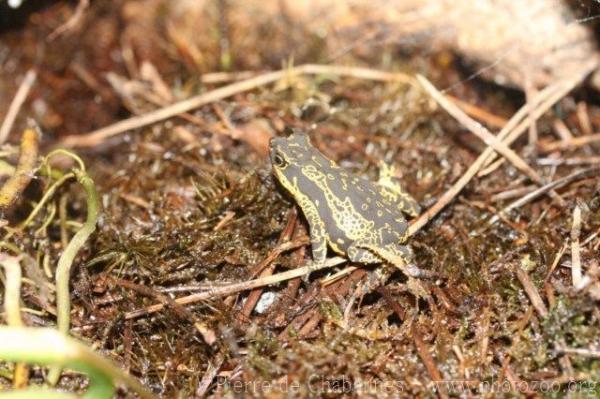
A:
{"x":189,"y":206}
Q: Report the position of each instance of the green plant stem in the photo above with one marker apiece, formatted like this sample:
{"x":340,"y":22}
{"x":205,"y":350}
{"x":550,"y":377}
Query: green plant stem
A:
{"x":36,"y":393}
{"x":63,"y":300}
{"x":12,"y":289}
{"x":49,"y":193}
{"x":6,"y":169}
{"x":12,"y":308}
{"x":49,"y":347}
{"x":66,"y":153}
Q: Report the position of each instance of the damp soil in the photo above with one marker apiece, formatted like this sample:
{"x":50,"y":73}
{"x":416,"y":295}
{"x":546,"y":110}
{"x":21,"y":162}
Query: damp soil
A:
{"x":190,"y":204}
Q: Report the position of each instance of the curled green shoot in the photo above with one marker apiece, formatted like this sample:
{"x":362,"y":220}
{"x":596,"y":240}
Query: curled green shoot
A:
{"x":47,"y":195}
{"x":61,"y":179}
{"x":63,"y":300}
{"x":67,"y":153}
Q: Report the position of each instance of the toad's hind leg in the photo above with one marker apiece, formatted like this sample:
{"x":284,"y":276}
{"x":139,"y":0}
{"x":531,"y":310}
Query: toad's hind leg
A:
{"x":401,"y":257}
{"x":394,"y":192}
{"x":398,"y":255}
{"x":364,"y":252}
{"x":375,"y":278}
{"x":358,"y":254}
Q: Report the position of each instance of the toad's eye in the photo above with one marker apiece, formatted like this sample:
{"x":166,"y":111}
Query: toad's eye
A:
{"x":279,"y":161}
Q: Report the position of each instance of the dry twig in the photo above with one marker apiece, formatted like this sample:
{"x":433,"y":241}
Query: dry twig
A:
{"x":579,"y":281}
{"x":552,"y":185}
{"x":16,"y":104}
{"x":572,"y":143}
{"x":237,"y":287}
{"x":427,"y":359}
{"x":484,"y":134}
{"x":479,"y":113}
{"x":595,"y":354}
{"x":72,"y":22}
{"x":266,"y":267}
{"x":25,"y":168}
{"x":532,"y":292}
{"x":575,"y":250}
{"x":98,"y":136}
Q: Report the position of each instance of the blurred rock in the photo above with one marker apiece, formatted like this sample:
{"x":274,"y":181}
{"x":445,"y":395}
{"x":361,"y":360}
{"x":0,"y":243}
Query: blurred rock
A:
{"x":513,"y":43}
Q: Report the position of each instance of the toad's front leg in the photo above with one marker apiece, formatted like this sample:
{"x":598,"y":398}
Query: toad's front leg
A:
{"x":318,"y":232}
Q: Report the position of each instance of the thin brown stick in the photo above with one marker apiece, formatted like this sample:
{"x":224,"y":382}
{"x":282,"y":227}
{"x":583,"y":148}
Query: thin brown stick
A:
{"x":419,"y":344}
{"x":542,"y":311}
{"x":209,"y":375}
{"x":530,"y":92}
{"x":576,"y":274}
{"x":25,"y":168}
{"x":16,"y":104}
{"x":72,"y":22}
{"x":479,"y":113}
{"x":304,"y":322}
{"x":428,"y":361}
{"x":583,"y":117}
{"x":277,"y":251}
{"x":237,"y":287}
{"x":484,"y":335}
{"x":392,"y":303}
{"x":561,"y":129}
{"x":266,"y":267}
{"x":310,"y":325}
{"x":557,"y":258}
{"x":516,"y":383}
{"x":532,"y":292}
{"x":580,"y":352}
{"x":179,"y":310}
{"x":98,"y":136}
{"x":552,"y":185}
{"x":222,"y":77}
{"x":572,"y":143}
{"x":568,"y":161}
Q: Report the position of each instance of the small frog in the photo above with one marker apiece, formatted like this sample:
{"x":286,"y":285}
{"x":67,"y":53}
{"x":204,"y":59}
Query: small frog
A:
{"x":356,"y":217}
